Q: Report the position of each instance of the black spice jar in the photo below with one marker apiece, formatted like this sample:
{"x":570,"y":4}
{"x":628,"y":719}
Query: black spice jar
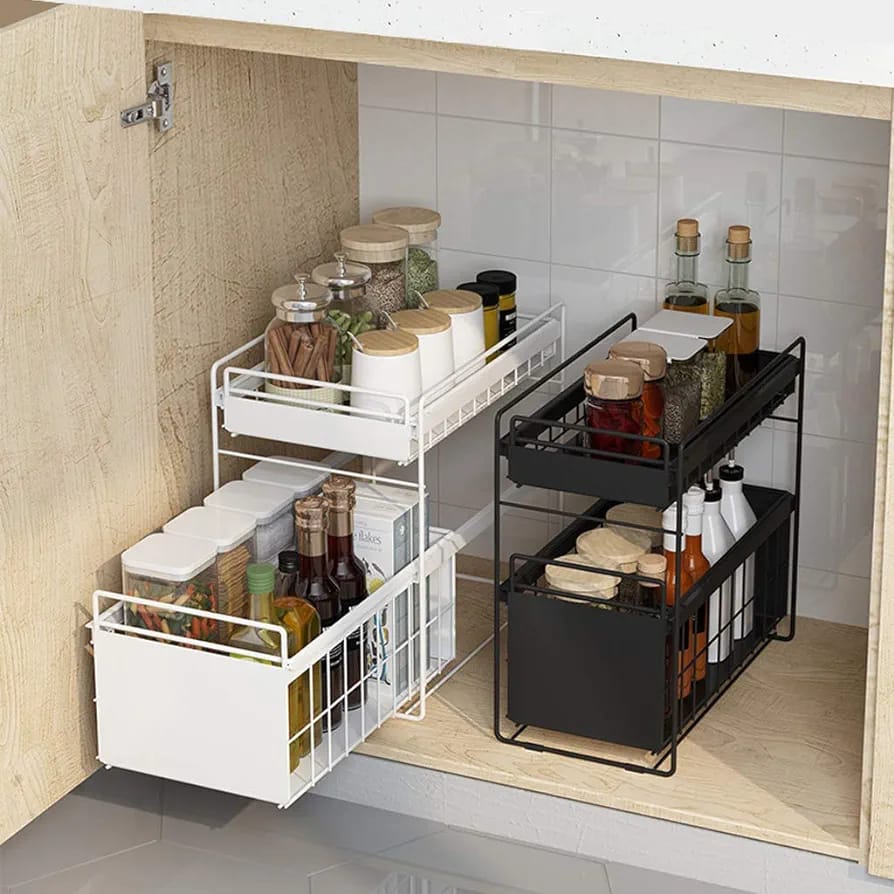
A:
{"x":507,"y":283}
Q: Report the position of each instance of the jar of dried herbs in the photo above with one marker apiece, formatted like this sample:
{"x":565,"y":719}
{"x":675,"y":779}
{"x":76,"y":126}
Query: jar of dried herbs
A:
{"x":682,"y":400}
{"x":383,"y":249}
{"x":712,"y":362}
{"x":421,"y":225}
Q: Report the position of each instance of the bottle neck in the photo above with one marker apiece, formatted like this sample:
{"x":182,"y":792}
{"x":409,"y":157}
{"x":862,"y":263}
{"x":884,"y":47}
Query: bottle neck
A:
{"x":262,"y":607}
{"x":687,"y":267}
{"x":312,"y":554}
{"x":341,"y":524}
{"x":738,"y":274}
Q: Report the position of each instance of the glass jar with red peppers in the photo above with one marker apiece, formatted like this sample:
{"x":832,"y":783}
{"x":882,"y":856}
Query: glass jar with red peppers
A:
{"x":615,"y":404}
{"x":652,"y":359}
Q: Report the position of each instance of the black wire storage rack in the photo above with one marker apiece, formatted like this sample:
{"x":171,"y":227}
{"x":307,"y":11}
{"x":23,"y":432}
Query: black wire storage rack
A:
{"x":636,"y":676}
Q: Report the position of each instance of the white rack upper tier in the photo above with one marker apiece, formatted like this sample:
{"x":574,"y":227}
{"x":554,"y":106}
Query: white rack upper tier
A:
{"x":249,"y":410}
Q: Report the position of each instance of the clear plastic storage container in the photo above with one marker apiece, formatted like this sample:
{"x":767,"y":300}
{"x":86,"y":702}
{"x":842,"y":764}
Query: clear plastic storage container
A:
{"x":271,"y":508}
{"x":181,"y":571}
{"x":232,"y":534}
{"x":421,"y":225}
{"x":300,"y":481}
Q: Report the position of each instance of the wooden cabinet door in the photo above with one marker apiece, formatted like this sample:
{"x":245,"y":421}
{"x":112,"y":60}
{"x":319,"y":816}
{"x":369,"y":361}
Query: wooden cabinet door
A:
{"x":79,"y":470}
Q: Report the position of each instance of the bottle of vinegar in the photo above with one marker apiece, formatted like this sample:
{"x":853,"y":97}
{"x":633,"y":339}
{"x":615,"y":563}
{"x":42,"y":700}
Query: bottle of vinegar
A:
{"x":686,"y":293}
{"x":316,"y":586}
{"x":743,"y":306}
{"x":349,"y":574}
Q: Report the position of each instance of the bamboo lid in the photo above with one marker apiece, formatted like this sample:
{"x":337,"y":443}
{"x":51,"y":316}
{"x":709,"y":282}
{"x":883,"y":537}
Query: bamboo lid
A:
{"x":375,"y":243}
{"x":651,"y":358}
{"x":652,"y":565}
{"x":579,"y":580}
{"x":421,"y":321}
{"x":687,"y":235}
{"x":388,"y":342}
{"x":421,"y":223}
{"x":738,"y":243}
{"x":609,"y":548}
{"x":453,"y":301}
{"x":635,"y":514}
{"x":613,"y":379}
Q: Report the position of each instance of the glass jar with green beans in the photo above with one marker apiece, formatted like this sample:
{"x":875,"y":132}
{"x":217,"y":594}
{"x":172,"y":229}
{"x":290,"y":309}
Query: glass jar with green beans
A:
{"x":350,"y":312}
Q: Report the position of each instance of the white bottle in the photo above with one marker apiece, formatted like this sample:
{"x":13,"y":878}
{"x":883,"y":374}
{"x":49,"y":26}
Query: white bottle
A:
{"x":717,"y":540}
{"x":739,"y":517}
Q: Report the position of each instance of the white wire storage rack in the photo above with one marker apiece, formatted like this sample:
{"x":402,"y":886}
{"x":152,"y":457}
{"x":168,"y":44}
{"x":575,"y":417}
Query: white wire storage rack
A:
{"x":217,"y":715}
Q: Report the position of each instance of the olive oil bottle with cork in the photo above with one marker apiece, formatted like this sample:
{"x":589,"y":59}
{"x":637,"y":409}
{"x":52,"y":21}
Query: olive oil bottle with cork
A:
{"x":686,"y":293}
{"x":743,"y":306}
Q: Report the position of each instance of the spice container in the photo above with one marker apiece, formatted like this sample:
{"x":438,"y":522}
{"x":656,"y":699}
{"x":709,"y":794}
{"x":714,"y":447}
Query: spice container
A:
{"x":686,"y":293}
{"x":300,"y":481}
{"x":490,"y":304}
{"x":507,"y":283}
{"x":581,"y":581}
{"x":467,"y":320}
{"x":435,"y":334}
{"x":652,"y":359}
{"x":421,"y":225}
{"x":609,"y":548}
{"x":654,"y":568}
{"x":232,"y":534}
{"x":383,"y":249}
{"x":300,"y":341}
{"x":386,"y":361}
{"x":177,"y":570}
{"x":271,"y":508}
{"x":614,"y":404}
{"x":682,"y":401}
{"x":350,"y":311}
{"x":712,"y":360}
{"x":636,"y":514}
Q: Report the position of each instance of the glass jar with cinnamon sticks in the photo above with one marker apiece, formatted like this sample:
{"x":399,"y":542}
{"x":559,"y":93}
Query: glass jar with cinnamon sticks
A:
{"x":300,"y":342}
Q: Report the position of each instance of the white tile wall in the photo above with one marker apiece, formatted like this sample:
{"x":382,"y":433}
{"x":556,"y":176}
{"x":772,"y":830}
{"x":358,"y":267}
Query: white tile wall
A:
{"x":578,"y":191}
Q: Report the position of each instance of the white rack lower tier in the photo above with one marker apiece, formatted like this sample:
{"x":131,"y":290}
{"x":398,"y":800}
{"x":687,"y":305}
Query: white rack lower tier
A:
{"x":205,"y":716}
{"x":249,"y":410}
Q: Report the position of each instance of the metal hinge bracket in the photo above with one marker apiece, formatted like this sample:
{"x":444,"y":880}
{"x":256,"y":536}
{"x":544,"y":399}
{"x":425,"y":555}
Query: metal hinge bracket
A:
{"x":159,"y":105}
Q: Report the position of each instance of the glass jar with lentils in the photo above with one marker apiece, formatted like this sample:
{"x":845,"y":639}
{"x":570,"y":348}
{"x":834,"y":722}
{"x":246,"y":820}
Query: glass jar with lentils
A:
{"x":383,"y":249}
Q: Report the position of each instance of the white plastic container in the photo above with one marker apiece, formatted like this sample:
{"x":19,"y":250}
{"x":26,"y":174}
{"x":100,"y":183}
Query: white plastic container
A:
{"x":175,"y":570}
{"x":388,"y":362}
{"x":300,"y":481}
{"x":739,"y":517}
{"x":232,"y":534}
{"x":467,"y":318}
{"x":435,"y":334}
{"x":717,"y":540}
{"x":271,"y":508}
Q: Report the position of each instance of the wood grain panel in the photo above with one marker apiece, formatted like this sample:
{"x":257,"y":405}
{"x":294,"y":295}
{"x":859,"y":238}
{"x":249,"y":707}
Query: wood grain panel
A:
{"x":79,"y":468}
{"x":777,"y":759}
{"x":858,"y":100}
{"x":17,"y":10}
{"x":252,"y":185}
{"x":877,"y":818}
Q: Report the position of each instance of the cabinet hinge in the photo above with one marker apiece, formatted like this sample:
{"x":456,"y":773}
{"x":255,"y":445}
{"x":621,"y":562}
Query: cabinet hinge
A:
{"x":159,"y":105}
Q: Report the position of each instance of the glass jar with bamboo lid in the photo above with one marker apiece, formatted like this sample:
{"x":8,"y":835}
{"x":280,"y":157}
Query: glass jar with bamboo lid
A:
{"x":383,"y":249}
{"x":421,"y":225}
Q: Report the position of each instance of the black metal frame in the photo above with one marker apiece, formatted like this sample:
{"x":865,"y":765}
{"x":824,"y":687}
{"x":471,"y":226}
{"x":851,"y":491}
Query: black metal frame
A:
{"x":546,"y":450}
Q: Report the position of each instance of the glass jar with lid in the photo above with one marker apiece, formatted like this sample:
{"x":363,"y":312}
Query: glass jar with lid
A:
{"x":652,"y":359}
{"x":350,"y":312}
{"x":615,"y":404}
{"x":383,"y":249}
{"x":421,"y":225}
{"x":301,"y":341}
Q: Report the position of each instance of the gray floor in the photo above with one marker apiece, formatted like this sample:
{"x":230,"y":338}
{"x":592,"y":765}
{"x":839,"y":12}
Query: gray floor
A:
{"x":122,"y":832}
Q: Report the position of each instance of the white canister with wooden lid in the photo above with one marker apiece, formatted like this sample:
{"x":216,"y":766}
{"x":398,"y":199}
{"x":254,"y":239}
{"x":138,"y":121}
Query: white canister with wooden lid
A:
{"x":435,"y":334}
{"x":610,"y":548}
{"x":581,"y":581}
{"x":467,"y":318}
{"x":383,"y":249}
{"x":386,"y":360}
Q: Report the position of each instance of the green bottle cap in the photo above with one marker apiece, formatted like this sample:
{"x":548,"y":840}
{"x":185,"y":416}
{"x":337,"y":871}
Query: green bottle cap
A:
{"x":260,"y":578}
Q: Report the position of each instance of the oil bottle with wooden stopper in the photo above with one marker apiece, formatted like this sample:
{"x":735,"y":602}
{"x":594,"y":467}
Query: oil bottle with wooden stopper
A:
{"x":743,"y":306}
{"x":686,"y":293}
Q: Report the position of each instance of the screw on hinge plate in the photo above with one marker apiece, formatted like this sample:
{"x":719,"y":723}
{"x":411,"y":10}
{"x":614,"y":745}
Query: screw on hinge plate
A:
{"x":159,"y":105}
